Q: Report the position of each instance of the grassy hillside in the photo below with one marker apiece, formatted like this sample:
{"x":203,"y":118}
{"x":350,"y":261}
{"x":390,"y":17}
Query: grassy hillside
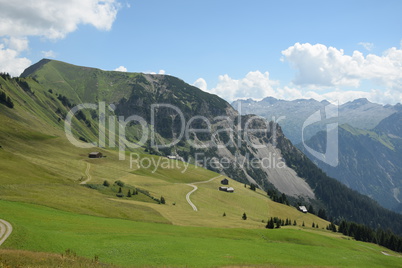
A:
{"x":52,"y":212}
{"x":129,"y":243}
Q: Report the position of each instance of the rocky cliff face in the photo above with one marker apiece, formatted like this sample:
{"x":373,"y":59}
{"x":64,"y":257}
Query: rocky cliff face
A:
{"x":200,"y":127}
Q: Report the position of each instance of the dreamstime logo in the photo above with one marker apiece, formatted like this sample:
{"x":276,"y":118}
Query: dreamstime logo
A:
{"x":330,"y":156}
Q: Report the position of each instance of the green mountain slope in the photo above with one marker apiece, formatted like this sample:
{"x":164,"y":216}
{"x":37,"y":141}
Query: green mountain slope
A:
{"x":369,"y":160}
{"x":140,"y":244}
{"x":56,"y":198}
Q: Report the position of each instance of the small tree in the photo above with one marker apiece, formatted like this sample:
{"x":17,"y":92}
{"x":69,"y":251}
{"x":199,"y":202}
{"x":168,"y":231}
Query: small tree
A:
{"x":252,"y":187}
{"x":129,"y":193}
{"x":278,"y":224}
{"x":163,"y":201}
{"x":106,"y":183}
{"x":332,"y":227}
{"x":119,"y":183}
{"x":224,"y":214}
{"x":270,"y":224}
{"x":303,"y":224}
{"x":120,"y":191}
{"x":244,"y":217}
{"x":294,"y":223}
{"x":313,"y":225}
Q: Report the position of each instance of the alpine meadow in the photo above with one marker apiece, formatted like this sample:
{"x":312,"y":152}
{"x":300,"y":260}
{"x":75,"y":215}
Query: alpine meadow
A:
{"x":200,"y":133}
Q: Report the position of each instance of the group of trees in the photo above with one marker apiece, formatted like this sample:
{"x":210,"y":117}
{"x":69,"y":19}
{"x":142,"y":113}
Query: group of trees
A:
{"x":5,"y":76}
{"x":331,"y":227}
{"x":130,"y":192}
{"x":65,"y":101}
{"x":279,"y":198}
{"x":276,"y":222}
{"x":6,"y":100}
{"x":253,"y":187}
{"x":24,"y":85}
{"x":364,"y":233}
{"x":120,"y":184}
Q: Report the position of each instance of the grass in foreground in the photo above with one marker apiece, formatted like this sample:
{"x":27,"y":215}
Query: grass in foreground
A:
{"x":19,"y":258}
{"x":128,"y":243}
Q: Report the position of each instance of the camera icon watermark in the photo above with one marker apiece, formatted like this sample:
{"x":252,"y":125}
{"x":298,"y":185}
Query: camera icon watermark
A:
{"x":331,"y":114}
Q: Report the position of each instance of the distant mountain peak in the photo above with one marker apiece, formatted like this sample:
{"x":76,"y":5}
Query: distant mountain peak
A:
{"x":361,"y":101}
{"x":270,"y":100}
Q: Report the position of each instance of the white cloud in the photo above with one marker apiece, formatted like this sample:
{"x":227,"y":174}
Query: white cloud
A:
{"x":121,"y":69}
{"x":255,"y":85}
{"x":17,"y":44}
{"x":320,"y":66}
{"x":54,"y":19}
{"x":20,"y":19}
{"x":201,"y":84}
{"x":162,"y":72}
{"x":231,"y":89}
{"x":366,"y":45}
{"x":10,"y":62}
{"x":49,"y":54}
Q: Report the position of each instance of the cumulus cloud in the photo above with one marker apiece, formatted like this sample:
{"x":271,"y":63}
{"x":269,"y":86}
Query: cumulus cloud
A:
{"x":201,"y":84}
{"x":321,"y":66}
{"x":50,"y":19}
{"x":228,"y":89}
{"x":54,"y":19}
{"x":10,"y":55}
{"x":121,"y":69}
{"x":17,"y":44}
{"x":366,"y":45}
{"x":254,"y":85}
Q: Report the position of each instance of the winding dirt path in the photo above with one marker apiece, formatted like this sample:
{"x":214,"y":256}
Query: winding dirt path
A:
{"x":195,"y":189}
{"x":87,"y":174}
{"x":5,"y":230}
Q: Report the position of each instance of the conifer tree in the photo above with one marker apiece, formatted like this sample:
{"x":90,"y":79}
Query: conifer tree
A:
{"x":270,"y":224}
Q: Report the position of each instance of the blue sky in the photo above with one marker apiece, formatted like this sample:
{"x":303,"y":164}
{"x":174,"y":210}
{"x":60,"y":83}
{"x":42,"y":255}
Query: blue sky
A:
{"x":337,"y":50}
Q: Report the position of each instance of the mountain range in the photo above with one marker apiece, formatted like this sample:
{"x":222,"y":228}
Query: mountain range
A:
{"x":368,"y":141}
{"x":369,"y":160}
{"x":255,"y":151}
{"x":291,"y":115}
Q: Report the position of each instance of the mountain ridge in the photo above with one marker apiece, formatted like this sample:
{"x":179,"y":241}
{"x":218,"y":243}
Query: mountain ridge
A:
{"x":359,"y":113}
{"x":368,"y":160}
{"x":45,"y":87}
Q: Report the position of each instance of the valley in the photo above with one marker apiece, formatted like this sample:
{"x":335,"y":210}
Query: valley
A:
{"x":68,"y":209}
